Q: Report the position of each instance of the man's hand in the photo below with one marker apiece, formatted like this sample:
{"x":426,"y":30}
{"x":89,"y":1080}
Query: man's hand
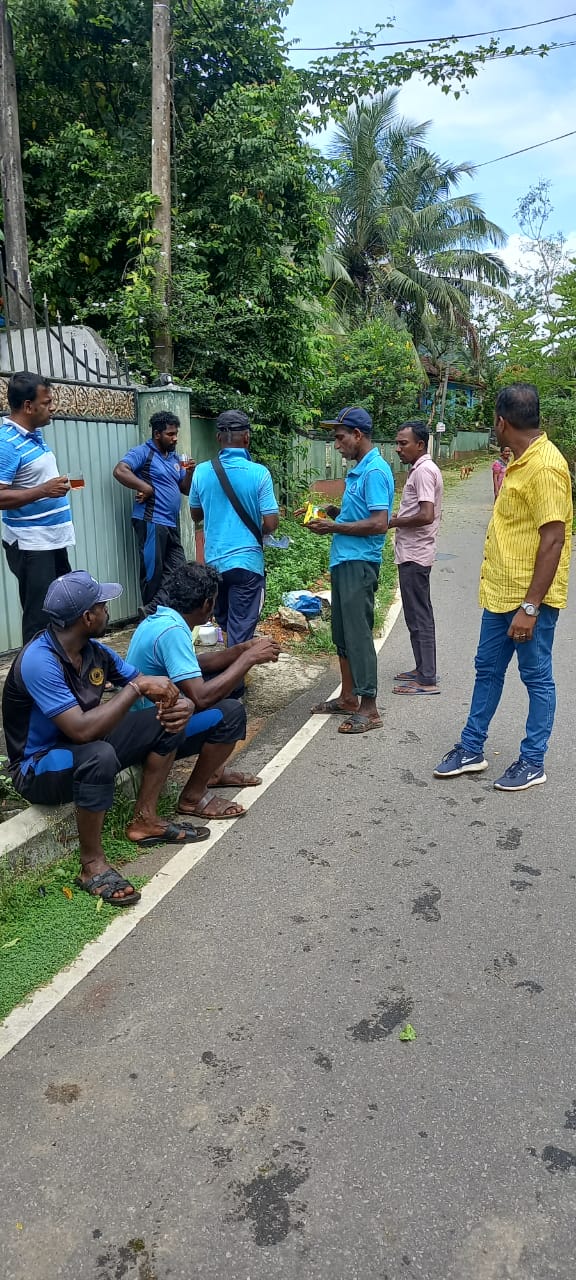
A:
{"x":144,"y":493}
{"x":190,"y":465}
{"x":158,"y":689}
{"x":264,"y":650}
{"x":521,"y":627}
{"x":175,"y":718}
{"x":57,"y":487}
{"x":321,"y":526}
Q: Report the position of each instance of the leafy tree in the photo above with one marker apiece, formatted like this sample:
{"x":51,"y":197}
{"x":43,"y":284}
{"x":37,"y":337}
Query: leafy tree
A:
{"x":404,"y":238}
{"x":375,"y":366}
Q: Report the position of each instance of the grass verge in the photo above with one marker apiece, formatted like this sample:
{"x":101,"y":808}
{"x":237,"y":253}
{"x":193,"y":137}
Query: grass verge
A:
{"x":45,"y":920}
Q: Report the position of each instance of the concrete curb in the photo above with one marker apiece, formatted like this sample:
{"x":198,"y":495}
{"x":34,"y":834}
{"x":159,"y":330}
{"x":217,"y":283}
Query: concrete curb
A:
{"x":42,"y":833}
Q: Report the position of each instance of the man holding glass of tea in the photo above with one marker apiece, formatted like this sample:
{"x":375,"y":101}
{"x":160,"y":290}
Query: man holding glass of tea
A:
{"x":37,"y":524}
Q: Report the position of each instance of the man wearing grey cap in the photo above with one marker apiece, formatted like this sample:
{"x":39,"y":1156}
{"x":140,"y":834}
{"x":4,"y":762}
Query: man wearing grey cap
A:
{"x":64,"y":743}
{"x":235,"y":498}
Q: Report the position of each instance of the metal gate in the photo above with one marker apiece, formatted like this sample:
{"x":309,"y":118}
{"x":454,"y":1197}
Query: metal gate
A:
{"x":94,"y":423}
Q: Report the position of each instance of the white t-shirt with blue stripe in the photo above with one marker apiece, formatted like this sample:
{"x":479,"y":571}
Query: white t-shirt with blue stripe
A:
{"x":25,"y":462}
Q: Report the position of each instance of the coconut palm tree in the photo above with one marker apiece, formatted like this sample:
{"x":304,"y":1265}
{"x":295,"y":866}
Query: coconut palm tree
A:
{"x":405,"y":240}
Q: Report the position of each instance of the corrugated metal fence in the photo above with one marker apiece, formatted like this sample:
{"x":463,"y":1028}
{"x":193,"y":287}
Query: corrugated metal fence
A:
{"x":101,"y":514}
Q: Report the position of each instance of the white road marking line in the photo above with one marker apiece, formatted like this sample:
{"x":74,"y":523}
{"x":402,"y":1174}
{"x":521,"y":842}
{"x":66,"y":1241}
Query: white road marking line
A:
{"x":25,"y":1017}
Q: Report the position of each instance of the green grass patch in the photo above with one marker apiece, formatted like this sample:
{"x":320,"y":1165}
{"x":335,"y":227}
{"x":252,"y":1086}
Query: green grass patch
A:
{"x":387,"y":585}
{"x":42,"y":928}
{"x":296,"y":569}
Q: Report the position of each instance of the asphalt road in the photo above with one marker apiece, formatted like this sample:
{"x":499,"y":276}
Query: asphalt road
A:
{"x":227,"y":1097}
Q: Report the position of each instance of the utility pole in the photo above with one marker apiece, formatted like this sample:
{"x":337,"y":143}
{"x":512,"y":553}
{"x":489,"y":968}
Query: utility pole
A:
{"x":161,"y":174}
{"x":11,"y":182}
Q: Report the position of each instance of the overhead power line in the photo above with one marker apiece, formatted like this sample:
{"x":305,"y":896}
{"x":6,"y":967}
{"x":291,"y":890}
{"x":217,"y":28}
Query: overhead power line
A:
{"x":397,"y":44}
{"x":534,"y":147}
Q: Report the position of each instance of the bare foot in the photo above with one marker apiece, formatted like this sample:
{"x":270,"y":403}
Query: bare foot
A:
{"x":234,"y":778}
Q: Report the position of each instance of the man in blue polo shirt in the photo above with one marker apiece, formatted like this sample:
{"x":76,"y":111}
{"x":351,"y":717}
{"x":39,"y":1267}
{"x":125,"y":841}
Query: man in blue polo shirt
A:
{"x":232,"y":547}
{"x":163,"y":645}
{"x":158,"y":477}
{"x":358,"y":532}
{"x":37,"y":524}
{"x":66,"y":742}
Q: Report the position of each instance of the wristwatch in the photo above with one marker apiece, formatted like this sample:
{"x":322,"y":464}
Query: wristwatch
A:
{"x":531,"y":609}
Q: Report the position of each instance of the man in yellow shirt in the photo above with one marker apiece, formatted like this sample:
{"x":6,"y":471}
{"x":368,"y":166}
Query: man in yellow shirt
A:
{"x":523,"y":585}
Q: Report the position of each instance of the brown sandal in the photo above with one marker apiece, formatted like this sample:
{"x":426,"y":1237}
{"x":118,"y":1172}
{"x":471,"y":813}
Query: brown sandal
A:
{"x":358,"y":723}
{"x":201,"y":806}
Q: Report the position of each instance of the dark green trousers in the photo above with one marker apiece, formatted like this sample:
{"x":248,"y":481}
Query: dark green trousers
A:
{"x":354,"y":584}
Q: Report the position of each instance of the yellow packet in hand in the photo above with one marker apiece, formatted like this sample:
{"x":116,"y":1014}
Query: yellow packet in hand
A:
{"x":314,"y":513}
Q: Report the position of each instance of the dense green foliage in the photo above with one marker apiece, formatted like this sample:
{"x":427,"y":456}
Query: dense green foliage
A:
{"x":375,"y":366}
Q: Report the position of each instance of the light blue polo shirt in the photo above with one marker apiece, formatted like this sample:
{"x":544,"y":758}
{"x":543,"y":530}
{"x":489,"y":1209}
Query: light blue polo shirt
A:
{"x":228,"y":543}
{"x":163,"y":645}
{"x":369,"y":487}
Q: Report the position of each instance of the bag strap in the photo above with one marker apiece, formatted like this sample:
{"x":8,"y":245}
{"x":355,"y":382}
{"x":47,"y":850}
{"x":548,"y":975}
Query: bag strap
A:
{"x":235,"y":501}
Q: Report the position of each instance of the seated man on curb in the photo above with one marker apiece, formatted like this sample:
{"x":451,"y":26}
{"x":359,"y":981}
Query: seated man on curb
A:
{"x":163,"y":645}
{"x":65,"y":744}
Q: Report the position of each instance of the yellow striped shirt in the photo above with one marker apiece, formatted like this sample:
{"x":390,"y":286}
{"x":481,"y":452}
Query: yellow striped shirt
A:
{"x":536,"y":490}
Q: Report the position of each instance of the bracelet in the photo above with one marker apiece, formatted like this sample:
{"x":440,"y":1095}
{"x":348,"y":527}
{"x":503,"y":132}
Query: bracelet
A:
{"x":137,"y":688}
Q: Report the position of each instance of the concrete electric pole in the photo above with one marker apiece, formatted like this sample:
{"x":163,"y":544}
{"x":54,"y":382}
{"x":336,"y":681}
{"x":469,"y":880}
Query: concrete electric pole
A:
{"x":16,"y":242}
{"x":161,"y":173}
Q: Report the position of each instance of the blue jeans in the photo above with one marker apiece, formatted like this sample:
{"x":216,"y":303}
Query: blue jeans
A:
{"x":493,"y":656}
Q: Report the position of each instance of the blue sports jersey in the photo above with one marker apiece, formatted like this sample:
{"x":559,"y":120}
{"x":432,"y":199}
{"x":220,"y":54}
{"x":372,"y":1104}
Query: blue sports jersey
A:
{"x":164,"y":472}
{"x":42,"y":683}
{"x":369,"y":487}
{"x":229,"y":544}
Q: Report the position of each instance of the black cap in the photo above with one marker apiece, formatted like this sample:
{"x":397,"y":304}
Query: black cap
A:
{"x":233,"y":420}
{"x":353,"y":420}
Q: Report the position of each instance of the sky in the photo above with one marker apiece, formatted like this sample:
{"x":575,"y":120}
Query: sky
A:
{"x":513,"y":102}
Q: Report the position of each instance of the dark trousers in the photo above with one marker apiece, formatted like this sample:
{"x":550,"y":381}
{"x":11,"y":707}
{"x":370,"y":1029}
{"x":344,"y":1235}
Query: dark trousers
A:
{"x":85,"y":773}
{"x":35,"y":571}
{"x":354,"y":584}
{"x":161,"y":552}
{"x":239,"y":604}
{"x":417,"y":605}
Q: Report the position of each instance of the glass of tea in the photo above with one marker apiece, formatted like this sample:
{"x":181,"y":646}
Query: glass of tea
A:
{"x":77,"y":481}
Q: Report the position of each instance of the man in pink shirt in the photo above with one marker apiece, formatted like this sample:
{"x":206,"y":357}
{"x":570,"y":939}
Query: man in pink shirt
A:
{"x":416,"y":526}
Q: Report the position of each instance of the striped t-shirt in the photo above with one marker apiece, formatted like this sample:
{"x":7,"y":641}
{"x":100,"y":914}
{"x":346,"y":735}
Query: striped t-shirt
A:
{"x":25,"y":462}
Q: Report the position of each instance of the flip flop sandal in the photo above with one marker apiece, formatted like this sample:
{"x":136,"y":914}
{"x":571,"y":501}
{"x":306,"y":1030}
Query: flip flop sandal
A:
{"x":200,"y":810}
{"x":171,"y":834}
{"x":411,"y":690}
{"x":330,"y":708}
{"x":109,"y":881}
{"x":406,"y":675}
{"x":246,"y":780}
{"x":359,"y":724}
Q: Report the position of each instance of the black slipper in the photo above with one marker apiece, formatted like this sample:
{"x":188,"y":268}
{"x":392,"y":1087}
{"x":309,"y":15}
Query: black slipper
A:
{"x":109,"y":881}
{"x":192,"y":835}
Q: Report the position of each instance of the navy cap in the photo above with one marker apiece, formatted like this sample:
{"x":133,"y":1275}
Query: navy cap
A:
{"x":353,"y":419}
{"x":233,"y":420}
{"x":69,"y":596}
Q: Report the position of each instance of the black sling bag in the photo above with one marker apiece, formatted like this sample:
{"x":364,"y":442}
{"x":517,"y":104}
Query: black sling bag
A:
{"x":235,"y":502}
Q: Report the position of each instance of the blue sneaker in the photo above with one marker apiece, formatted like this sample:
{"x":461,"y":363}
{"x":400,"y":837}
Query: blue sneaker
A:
{"x":520,"y":776}
{"x":458,"y":761}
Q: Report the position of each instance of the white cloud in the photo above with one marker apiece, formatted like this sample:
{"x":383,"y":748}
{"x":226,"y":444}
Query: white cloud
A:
{"x":518,"y":259}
